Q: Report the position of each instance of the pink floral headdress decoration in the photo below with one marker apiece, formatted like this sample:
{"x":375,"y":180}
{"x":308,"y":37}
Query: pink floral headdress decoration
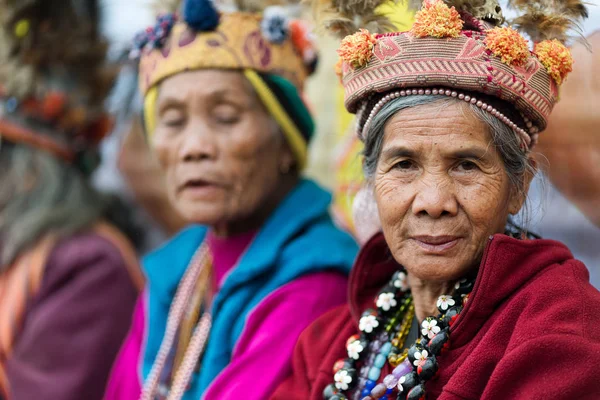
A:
{"x":457,"y":48}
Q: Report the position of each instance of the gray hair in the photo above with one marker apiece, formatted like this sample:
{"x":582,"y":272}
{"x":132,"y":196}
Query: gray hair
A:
{"x":40,"y":194}
{"x":516,"y":162}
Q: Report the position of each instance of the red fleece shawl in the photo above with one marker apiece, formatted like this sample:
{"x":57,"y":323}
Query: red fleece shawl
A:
{"x":531,"y":328}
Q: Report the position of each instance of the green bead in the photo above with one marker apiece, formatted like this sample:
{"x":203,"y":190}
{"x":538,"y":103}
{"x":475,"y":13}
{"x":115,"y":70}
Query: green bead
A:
{"x":379,"y":360}
{"x":374,"y":373}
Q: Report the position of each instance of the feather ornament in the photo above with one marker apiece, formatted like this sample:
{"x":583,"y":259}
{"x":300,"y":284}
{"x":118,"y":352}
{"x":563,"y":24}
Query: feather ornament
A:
{"x":550,"y":19}
{"x":345,"y":17}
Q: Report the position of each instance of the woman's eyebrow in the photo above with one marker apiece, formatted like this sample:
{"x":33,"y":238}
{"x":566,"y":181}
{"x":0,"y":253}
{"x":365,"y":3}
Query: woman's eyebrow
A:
{"x":169,"y":102}
{"x":398,"y":151}
{"x":180,"y":99}
{"x":469,"y":153}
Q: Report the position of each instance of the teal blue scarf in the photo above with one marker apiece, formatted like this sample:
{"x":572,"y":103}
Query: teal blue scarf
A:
{"x":299,"y":238}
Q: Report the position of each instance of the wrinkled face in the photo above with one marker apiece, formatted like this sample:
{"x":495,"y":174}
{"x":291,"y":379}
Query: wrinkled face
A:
{"x":441,"y":190}
{"x":221,"y":150}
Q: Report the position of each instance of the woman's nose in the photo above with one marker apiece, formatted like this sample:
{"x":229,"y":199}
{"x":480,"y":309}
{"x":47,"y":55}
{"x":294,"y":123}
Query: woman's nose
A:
{"x":435,"y":197}
{"x":198,"y":143}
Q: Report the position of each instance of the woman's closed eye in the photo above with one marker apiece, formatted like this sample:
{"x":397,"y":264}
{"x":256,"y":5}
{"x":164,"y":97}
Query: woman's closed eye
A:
{"x":226,"y":114}
{"x":173,"y":119}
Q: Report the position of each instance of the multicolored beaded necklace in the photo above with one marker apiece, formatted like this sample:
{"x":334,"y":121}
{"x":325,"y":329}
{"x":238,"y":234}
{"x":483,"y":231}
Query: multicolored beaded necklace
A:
{"x":383,"y":333}
{"x":171,"y":385}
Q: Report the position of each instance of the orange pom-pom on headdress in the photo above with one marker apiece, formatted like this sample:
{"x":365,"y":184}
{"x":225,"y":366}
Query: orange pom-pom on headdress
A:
{"x":508,"y":44}
{"x":556,"y":57}
{"x":357,"y":49}
{"x":338,"y":69}
{"x":436,"y":19}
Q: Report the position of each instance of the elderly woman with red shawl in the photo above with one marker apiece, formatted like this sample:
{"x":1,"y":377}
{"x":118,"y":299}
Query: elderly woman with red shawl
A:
{"x":453,"y":300}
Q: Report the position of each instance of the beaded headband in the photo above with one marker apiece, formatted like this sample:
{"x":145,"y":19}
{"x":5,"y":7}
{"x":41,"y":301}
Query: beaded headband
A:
{"x":463,"y":53}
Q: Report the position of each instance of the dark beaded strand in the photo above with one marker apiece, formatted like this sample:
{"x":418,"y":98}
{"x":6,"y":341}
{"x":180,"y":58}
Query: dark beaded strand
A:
{"x":383,"y":332}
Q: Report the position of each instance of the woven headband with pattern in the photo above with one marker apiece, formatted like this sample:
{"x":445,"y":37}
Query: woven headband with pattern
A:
{"x":452,"y":52}
{"x":238,"y":42}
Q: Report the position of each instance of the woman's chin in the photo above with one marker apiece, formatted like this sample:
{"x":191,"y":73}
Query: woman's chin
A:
{"x":208,"y":214}
{"x":446,"y":264}
{"x":437,"y":270}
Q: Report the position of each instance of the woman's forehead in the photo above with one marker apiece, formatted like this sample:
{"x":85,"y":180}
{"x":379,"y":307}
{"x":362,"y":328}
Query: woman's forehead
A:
{"x":448,"y":125}
{"x":205,"y":83}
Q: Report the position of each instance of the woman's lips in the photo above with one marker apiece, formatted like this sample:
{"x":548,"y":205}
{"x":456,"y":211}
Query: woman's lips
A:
{"x":200,"y":188}
{"x":436,"y":244}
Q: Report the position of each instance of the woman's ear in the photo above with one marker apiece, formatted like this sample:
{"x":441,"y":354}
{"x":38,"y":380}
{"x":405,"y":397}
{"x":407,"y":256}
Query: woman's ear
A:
{"x":518,"y":199}
{"x":287,"y":162}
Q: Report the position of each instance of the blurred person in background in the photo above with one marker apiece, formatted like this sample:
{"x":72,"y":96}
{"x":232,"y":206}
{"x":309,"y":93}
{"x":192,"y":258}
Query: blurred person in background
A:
{"x":228,"y":297}
{"x":571,"y":144}
{"x":569,"y":154}
{"x":68,"y":278}
{"x":130,"y":170}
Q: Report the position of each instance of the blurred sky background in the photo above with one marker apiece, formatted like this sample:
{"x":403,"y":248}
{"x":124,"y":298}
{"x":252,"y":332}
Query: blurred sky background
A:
{"x":124,"y":18}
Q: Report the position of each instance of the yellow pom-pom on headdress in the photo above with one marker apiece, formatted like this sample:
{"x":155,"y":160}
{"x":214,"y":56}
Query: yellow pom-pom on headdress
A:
{"x":508,"y":44}
{"x":436,"y":19}
{"x":357,"y":49}
{"x":556,"y":57}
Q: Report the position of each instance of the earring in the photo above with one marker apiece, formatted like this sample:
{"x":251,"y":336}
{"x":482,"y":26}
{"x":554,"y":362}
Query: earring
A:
{"x":285,"y":168}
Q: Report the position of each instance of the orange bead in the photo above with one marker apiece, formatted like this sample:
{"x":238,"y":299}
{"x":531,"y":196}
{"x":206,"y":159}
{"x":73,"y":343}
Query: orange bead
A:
{"x":53,"y":105}
{"x":339,"y":364}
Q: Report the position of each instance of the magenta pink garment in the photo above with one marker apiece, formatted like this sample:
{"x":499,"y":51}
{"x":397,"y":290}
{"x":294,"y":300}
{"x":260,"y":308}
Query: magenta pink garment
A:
{"x":255,"y":369}
{"x":279,"y":318}
{"x":125,"y":379}
{"x":226,"y":251}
